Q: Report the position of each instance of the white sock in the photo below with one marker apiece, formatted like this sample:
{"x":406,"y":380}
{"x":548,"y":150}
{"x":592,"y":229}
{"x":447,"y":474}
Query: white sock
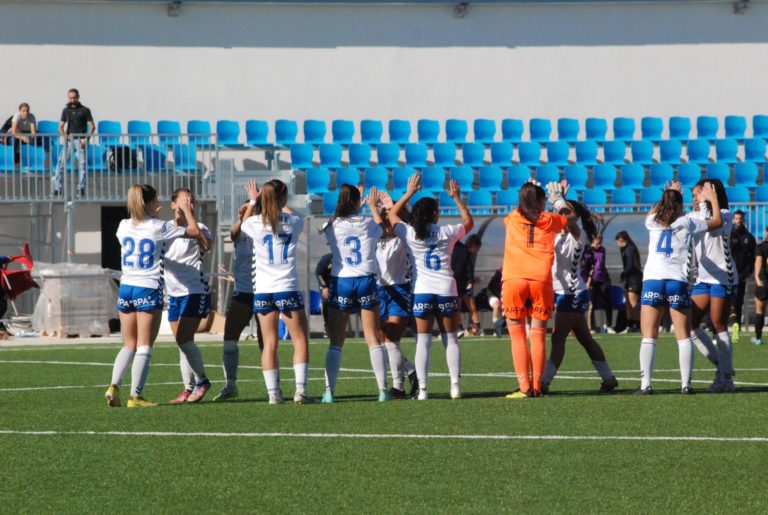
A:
{"x":270,"y":379}
{"x":408,"y":367}
{"x":187,"y":374}
{"x":300,"y":371}
{"x":603,"y":370}
{"x":725,"y":355}
{"x":122,"y":360}
{"x":452,"y":355}
{"x":231,"y":359}
{"x":396,"y":364}
{"x":332,"y":366}
{"x":140,"y":370}
{"x":647,"y":353}
{"x":550,"y":371}
{"x":685,"y":349}
{"x":195,"y":359}
{"x":423,"y":345}
{"x":704,"y":343}
{"x":379,"y":364}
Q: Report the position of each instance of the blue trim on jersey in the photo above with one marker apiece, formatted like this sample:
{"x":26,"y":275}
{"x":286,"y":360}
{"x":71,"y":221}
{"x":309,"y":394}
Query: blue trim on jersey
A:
{"x":195,"y":305}
{"x":284,"y":301}
{"x":243,"y":298}
{"x":132,"y":299}
{"x":351,"y":293}
{"x":425,"y":304}
{"x":394,"y":301}
{"x":578,"y":303}
{"x":663,"y":292}
{"x":718,"y":291}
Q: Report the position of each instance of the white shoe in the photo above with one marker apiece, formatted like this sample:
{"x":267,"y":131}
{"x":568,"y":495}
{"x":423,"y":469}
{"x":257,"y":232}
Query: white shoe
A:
{"x":303,"y":398}
{"x":276,"y":398}
{"x":422,"y":395}
{"x":609,"y":330}
{"x":455,"y":391}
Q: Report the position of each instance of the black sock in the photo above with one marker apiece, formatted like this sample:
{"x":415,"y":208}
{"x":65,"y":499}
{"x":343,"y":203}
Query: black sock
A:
{"x":759,"y":322}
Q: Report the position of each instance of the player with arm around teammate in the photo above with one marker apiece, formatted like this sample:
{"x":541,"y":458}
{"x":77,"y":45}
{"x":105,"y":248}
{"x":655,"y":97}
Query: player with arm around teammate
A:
{"x":144,"y":240}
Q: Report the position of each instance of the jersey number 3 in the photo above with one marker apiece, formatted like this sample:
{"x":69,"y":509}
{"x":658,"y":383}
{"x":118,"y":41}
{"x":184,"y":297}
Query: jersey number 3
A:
{"x":665,"y":243}
{"x":355,"y":257}
{"x":145,"y":257}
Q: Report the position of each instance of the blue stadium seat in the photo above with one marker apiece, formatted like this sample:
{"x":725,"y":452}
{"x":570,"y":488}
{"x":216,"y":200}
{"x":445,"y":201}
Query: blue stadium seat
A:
{"x":228,"y":133}
{"x":661,"y":174}
{"x":51,"y":128}
{"x":651,"y":195}
{"x":624,"y":129}
{"x":330,"y":155}
{"x":314,"y":131}
{"x":614,"y":152}
{"x":473,"y":154}
{"x":707,"y":127}
{"x":761,"y":193}
{"x":577,"y":176}
{"x":185,"y":159}
{"x":558,"y":152}
{"x":139,"y":132}
{"x":604,"y":177}
{"x":688,"y":174}
{"x":32,"y":159}
{"x":198,"y":133}
{"x":735,"y":126}
{"x":719,"y":171}
{"x":330,"y":200}
{"x":447,"y":204}
{"x":529,"y":154}
{"x":109,"y":132}
{"x":738,"y":195}
{"x":301,"y":156}
{"x":371,"y":131}
{"x":479,"y":199}
{"x":360,"y":155}
{"x":318,"y":180}
{"x":539,"y":129}
{"x":517,"y":176}
{"x":618,"y":299}
{"x":595,"y":197}
{"x":286,"y":132}
{"x":670,"y":151}
{"x":416,"y":155}
{"x":586,"y":153}
{"x":377,"y":177}
{"x":433,"y":179}
{"x":642,"y":152}
{"x":155,"y":159}
{"x":680,"y":128}
{"x":754,"y":150}
{"x":256,"y":133}
{"x":444,"y":154}
{"x":170,"y":132}
{"x":464,"y":176}
{"x":687,"y":197}
{"x":508,"y":198}
{"x":568,"y":130}
{"x":596,"y":129}
{"x":760,"y":126}
{"x":420,"y":195}
{"x":399,"y":131}
{"x":428,"y":131}
{"x":624,"y":199}
{"x":632,"y":176}
{"x":548,"y":173}
{"x":512,"y":130}
{"x":484,"y":131}
{"x":501,"y":154}
{"x":726,"y":150}
{"x":6,"y":158}
{"x":651,"y":128}
{"x":388,"y":155}
{"x":745,"y":174}
{"x":96,"y":157}
{"x":343,"y":131}
{"x":456,"y":131}
{"x":400,"y":177}
{"x":698,"y":151}
{"x":490,"y":178}
{"x":572,"y":194}
{"x":347,"y":176}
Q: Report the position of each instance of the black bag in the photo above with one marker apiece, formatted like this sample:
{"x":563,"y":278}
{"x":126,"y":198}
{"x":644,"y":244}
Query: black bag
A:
{"x":122,"y":159}
{"x":7,"y":125}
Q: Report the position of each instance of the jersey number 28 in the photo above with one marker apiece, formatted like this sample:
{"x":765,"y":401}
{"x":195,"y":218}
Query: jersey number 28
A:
{"x":145,"y":257}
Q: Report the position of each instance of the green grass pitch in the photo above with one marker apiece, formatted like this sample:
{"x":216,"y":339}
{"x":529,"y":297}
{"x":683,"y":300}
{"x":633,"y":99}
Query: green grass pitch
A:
{"x":701,"y":453}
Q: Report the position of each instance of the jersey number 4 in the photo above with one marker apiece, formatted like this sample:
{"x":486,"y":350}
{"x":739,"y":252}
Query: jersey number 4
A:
{"x":144,"y":258}
{"x":665,"y":243}
{"x":285,"y":239}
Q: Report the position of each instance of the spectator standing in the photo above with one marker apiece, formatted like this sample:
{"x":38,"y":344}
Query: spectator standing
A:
{"x":598,"y":282}
{"x":76,"y":121}
{"x":463,"y":265}
{"x":632,"y":277}
{"x":743,"y":249}
{"x":323,"y":275}
{"x":761,"y":291}
{"x":23,"y":129}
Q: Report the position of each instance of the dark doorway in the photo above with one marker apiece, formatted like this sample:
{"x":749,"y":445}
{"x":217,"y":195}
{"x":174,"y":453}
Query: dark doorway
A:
{"x":110,"y":247}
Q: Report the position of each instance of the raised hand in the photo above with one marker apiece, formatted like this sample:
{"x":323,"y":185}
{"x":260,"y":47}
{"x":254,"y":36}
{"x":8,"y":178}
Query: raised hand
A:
{"x":454,"y":191}
{"x":372,"y":199}
{"x":252,"y":189}
{"x":675,"y":185}
{"x":386,"y":200}
{"x":414,"y":183}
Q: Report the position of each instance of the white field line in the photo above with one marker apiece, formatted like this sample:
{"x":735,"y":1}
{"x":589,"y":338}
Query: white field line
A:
{"x":384,"y":436}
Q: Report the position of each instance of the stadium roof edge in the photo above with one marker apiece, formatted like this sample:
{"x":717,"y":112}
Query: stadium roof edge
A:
{"x":374,"y":2}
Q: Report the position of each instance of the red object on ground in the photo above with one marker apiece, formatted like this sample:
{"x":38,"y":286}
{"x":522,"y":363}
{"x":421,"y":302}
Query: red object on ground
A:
{"x":17,"y":281}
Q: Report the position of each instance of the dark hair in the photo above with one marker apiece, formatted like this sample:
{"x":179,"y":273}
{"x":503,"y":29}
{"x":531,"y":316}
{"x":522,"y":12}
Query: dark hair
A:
{"x":473,"y":240}
{"x":181,"y":190}
{"x":23,"y":105}
{"x":624,"y":235}
{"x":740,"y":212}
{"x":346,"y":206}
{"x":587,"y":220}
{"x":422,"y":215}
{"x":529,"y":201}
{"x":73,"y":90}
{"x":722,"y":197}
{"x":669,"y":208}
{"x":273,"y":197}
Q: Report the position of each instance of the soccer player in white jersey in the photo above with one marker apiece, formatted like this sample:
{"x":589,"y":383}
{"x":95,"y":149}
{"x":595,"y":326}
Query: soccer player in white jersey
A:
{"x":144,"y":239}
{"x":189,"y":300}
{"x":394,"y":290}
{"x":435,"y":296}
{"x":352,"y":239}
{"x":715,"y":287}
{"x":665,"y":278}
{"x":572,"y":300}
{"x":275,"y":233}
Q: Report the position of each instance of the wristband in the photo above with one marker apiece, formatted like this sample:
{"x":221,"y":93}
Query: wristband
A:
{"x":252,"y":202}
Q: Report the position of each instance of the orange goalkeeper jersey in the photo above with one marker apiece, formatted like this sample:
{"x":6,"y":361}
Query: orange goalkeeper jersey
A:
{"x":529,"y":249}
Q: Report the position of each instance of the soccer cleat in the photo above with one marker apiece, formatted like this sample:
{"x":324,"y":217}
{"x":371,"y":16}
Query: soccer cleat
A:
{"x":460,"y":334}
{"x":544,"y":388}
{"x":644,"y":391}
{"x":735,"y":332}
{"x":113,"y":396}
{"x":757,"y":341}
{"x":474,"y":330}
{"x":397,"y":394}
{"x":384,"y":396}
{"x":728,"y":387}
{"x":455,"y":391}
{"x":609,"y":385}
{"x":328,"y":397}
{"x":687,"y":390}
{"x":414,"y":380}
{"x":182,"y":398}
{"x":200,"y":390}
{"x":140,"y":402}
{"x":226,"y":395}
{"x":498,"y":327}
{"x":303,"y":398}
{"x":717,"y":384}
{"x":275,"y":398}
{"x":519,"y":394}
{"x":423,"y":395}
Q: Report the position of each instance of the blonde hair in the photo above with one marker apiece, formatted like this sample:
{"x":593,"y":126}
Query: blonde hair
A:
{"x":139,"y":196}
{"x":273,"y":194}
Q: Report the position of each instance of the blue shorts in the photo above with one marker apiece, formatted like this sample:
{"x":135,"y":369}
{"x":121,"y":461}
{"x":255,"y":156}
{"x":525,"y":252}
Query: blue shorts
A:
{"x":395,"y":301}
{"x":351,"y":293}
{"x":196,"y":305}
{"x":666,"y":292}
{"x":284,"y":301}
{"x":578,"y":303}
{"x":718,"y":291}
{"x":136,"y":298}
{"x":425,"y":304}
{"x":243,"y":298}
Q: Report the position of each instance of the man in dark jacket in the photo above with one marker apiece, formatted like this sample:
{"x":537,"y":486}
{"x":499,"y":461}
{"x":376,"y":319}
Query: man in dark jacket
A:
{"x":743,"y":250}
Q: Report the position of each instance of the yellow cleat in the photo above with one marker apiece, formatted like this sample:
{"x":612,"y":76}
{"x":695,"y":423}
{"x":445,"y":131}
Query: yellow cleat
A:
{"x":517,"y":395}
{"x":113,"y":396}
{"x":140,"y":402}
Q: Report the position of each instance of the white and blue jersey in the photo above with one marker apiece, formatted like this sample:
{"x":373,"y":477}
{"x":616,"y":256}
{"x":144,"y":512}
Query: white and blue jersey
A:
{"x":571,"y":293}
{"x":242,"y":268}
{"x":716,"y":270}
{"x":185,"y":282}
{"x":394,"y":287}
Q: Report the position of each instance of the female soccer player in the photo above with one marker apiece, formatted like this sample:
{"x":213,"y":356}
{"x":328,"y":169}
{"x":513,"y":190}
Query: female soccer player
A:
{"x":352,"y":239}
{"x":143,"y":239}
{"x":665,"y":277}
{"x":434,"y":291}
{"x":632,"y":276}
{"x":275,"y":233}
{"x":715,"y":287}
{"x":572,"y":300}
{"x":189,"y":300}
{"x":527,"y":279}
{"x":761,"y":288}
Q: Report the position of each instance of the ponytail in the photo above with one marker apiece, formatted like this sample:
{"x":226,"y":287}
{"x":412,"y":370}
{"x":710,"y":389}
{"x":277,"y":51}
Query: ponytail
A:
{"x":139,"y":197}
{"x":422,"y":216}
{"x":274,"y":196}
